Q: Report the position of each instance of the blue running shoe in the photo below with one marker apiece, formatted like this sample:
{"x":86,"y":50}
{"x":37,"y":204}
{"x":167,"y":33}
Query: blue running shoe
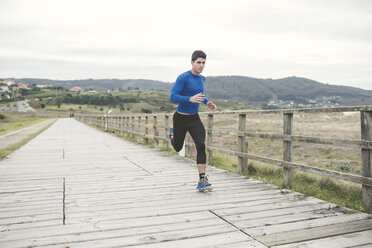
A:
{"x":204,"y":185}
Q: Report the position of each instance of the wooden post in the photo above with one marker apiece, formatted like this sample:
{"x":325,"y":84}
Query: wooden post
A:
{"x":139,"y":129}
{"x":128,"y":129}
{"x":287,"y":149}
{"x":166,"y":129}
{"x":121,"y":125}
{"x":156,"y":142}
{"x":112,"y":127}
{"x":210,"y":139}
{"x":113,"y":118}
{"x":117,"y":123}
{"x":146,"y":129}
{"x":133,"y":128}
{"x":366,"y":131}
{"x":106,"y":122}
{"x":241,"y":141}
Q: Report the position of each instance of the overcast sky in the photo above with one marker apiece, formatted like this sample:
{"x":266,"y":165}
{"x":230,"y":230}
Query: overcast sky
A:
{"x":327,"y":41}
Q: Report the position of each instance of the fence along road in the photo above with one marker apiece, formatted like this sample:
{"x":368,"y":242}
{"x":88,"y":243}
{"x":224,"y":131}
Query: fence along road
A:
{"x":76,"y":186}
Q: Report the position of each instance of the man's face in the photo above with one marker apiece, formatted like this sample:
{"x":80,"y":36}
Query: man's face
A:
{"x":198,"y":65}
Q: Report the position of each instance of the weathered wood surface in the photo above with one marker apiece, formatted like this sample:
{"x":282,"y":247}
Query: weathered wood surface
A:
{"x":113,"y":193}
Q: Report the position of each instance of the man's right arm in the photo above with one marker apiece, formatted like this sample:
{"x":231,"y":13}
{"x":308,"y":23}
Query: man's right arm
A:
{"x":176,"y":90}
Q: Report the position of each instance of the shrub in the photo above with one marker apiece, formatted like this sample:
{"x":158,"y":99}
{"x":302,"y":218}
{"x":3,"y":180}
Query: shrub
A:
{"x":143,"y":110}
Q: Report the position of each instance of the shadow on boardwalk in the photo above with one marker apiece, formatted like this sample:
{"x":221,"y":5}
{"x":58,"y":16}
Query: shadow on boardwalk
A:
{"x":75,"y":186}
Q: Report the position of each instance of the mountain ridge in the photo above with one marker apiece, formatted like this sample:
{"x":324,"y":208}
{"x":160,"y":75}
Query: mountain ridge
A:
{"x":255,"y":91}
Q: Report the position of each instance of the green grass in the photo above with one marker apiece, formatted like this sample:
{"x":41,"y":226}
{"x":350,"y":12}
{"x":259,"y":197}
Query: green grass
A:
{"x":325,"y":188}
{"x":45,"y":93}
{"x":6,"y":151}
{"x":224,"y":163}
{"x":19,"y":124}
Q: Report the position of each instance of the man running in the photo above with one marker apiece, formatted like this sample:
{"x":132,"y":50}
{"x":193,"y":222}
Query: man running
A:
{"x":188,"y":93}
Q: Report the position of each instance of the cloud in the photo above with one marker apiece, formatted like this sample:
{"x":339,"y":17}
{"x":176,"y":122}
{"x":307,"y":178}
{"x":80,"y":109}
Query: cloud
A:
{"x":327,"y":41}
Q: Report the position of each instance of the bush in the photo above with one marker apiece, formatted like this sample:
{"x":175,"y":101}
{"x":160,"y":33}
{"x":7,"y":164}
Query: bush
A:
{"x":148,"y":111}
{"x":2,"y":117}
{"x":327,"y":183}
{"x":344,"y":168}
{"x":34,"y":103}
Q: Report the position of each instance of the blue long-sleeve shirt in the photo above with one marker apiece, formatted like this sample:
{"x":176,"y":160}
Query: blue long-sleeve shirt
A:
{"x":186,"y":86}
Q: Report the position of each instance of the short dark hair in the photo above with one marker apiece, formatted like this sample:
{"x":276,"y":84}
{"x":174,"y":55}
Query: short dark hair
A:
{"x":198,"y":54}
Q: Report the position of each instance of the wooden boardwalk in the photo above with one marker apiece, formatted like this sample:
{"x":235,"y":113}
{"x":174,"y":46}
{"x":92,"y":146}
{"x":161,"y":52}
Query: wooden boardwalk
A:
{"x":75,"y":186}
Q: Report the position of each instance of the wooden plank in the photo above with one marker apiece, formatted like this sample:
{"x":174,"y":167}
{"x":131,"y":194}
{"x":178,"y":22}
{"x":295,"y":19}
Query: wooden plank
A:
{"x":275,"y":220}
{"x":298,"y":110}
{"x":32,"y":218}
{"x":275,"y":212}
{"x":120,"y":237}
{"x":246,"y":244}
{"x":22,"y":227}
{"x":298,"y":138}
{"x":288,"y":227}
{"x":287,"y":149}
{"x":366,"y":135}
{"x":241,"y":144}
{"x":68,"y":234}
{"x":357,"y":239}
{"x":193,"y":241}
{"x":315,"y":233}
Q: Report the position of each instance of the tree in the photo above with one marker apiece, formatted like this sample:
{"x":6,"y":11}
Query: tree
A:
{"x":23,"y":92}
{"x":59,"y":102}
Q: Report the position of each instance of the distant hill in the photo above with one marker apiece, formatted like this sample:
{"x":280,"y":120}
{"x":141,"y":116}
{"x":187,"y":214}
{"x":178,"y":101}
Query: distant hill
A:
{"x":278,"y":93}
{"x":301,"y":91}
{"x":102,"y":84}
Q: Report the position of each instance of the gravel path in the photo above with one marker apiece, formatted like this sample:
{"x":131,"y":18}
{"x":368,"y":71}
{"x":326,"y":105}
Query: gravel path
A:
{"x":13,"y":137}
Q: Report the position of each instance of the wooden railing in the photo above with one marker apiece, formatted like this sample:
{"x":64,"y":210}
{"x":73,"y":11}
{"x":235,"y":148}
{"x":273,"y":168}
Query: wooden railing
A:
{"x":132,"y":125}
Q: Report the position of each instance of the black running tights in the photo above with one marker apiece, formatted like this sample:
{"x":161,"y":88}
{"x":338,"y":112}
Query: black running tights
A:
{"x":193,"y":125}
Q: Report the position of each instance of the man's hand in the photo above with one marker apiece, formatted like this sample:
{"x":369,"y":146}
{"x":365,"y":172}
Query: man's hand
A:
{"x":198,"y":98}
{"x":212,"y":106}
